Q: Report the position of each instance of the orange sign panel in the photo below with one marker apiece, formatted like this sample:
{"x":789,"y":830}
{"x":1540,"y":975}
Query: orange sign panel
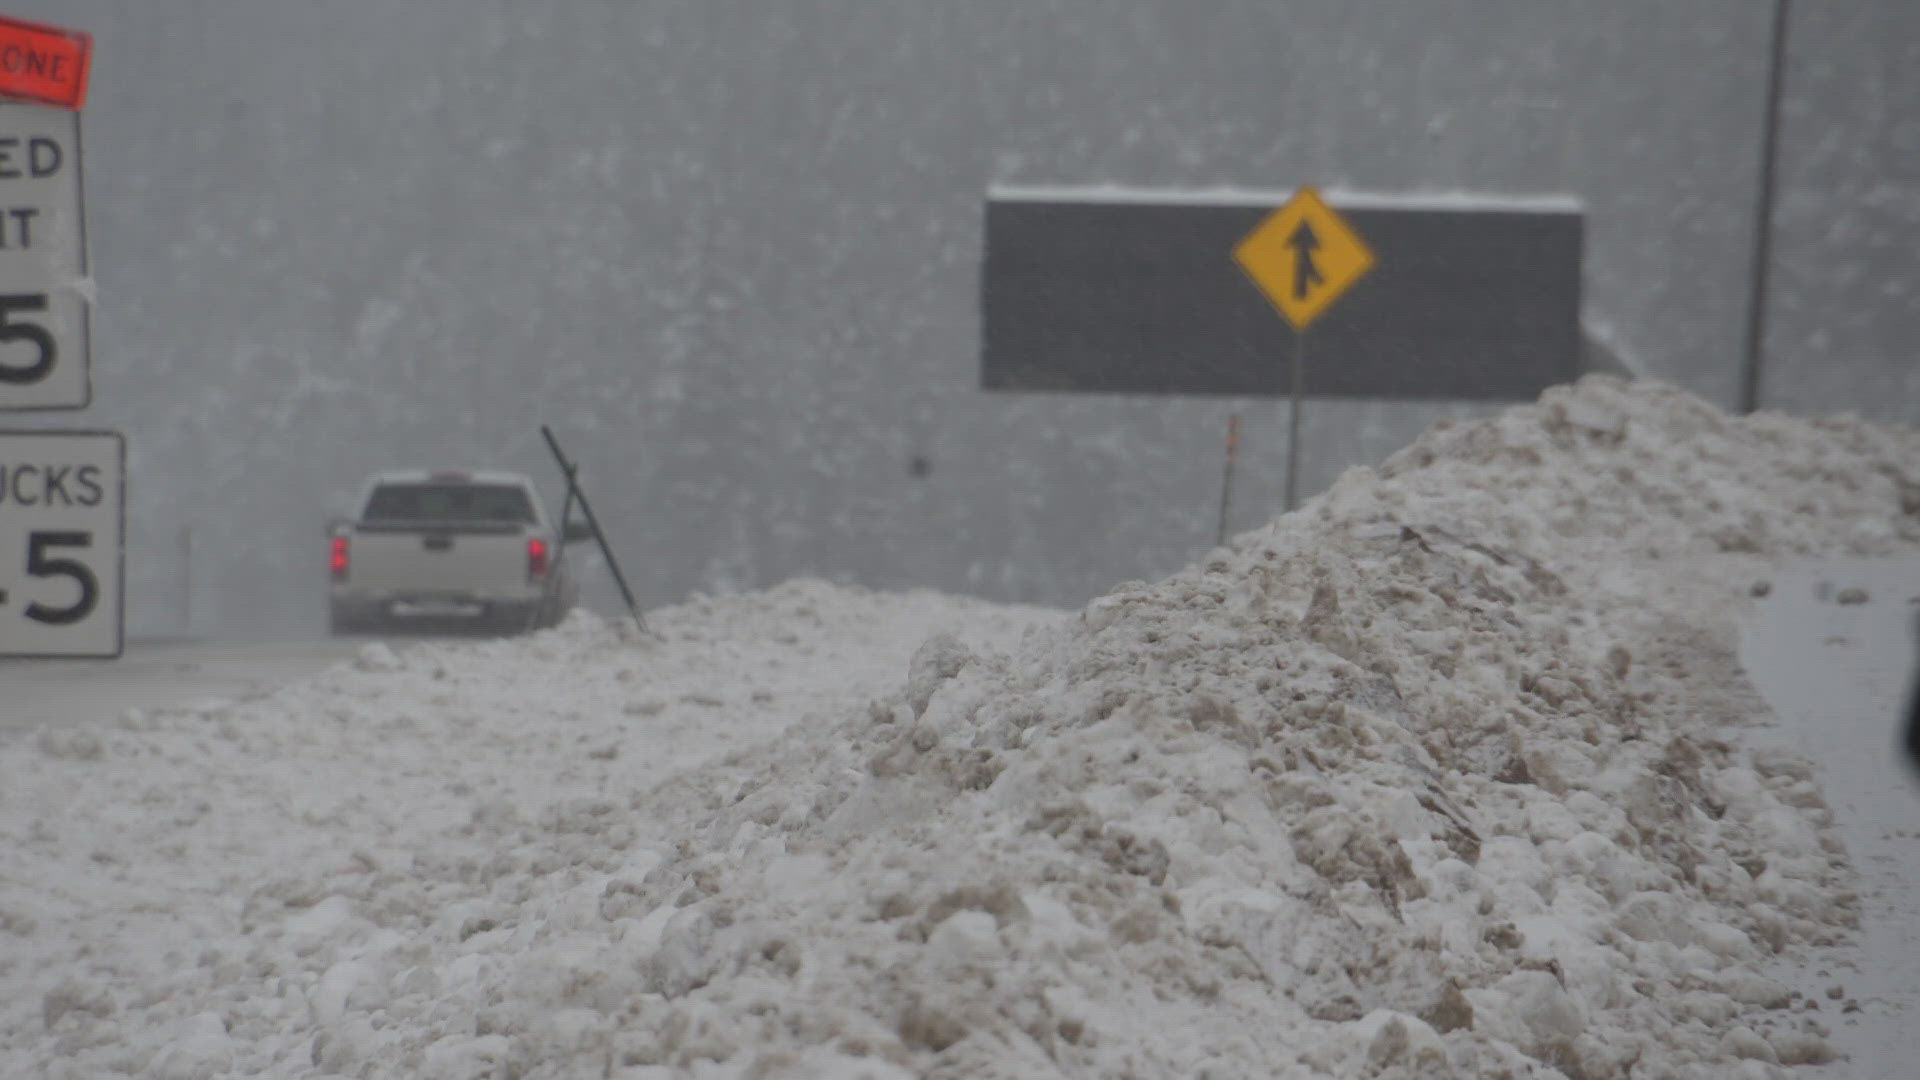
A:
{"x":44,"y":64}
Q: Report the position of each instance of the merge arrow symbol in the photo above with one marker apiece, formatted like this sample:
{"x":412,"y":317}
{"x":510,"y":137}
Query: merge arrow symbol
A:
{"x":1305,"y":274}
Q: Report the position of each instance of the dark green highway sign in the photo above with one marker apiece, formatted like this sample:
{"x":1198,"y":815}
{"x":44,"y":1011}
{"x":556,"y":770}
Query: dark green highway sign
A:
{"x":1101,"y":291}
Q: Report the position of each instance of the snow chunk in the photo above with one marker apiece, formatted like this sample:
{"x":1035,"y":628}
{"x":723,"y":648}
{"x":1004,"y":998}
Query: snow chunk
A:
{"x":203,"y":1048}
{"x":377,"y":656}
{"x":938,"y":659}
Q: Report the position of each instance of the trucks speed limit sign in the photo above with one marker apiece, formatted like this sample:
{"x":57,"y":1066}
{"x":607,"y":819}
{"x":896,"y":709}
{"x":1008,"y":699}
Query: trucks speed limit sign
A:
{"x":62,"y":498}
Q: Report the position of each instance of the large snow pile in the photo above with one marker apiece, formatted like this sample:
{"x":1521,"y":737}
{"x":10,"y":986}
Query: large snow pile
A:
{"x":1434,"y":777}
{"x":246,"y":889}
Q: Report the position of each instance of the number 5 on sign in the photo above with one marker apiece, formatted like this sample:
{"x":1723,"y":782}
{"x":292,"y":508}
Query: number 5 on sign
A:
{"x":34,"y":363}
{"x":62,"y":499}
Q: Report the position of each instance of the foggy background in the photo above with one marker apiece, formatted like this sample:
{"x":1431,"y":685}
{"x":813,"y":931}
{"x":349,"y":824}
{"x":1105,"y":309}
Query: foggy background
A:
{"x":730,"y":251}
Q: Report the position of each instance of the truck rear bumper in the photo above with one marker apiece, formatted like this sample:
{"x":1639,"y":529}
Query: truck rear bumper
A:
{"x":352,"y":609}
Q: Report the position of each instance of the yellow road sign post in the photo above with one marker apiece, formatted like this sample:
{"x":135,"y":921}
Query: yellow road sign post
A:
{"x":1303,"y":257}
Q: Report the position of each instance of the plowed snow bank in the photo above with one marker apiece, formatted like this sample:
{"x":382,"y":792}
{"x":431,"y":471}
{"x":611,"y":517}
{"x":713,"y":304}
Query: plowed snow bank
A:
{"x":1433,"y":777}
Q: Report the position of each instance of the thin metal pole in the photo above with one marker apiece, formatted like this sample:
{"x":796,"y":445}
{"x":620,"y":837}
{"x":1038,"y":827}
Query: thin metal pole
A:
{"x":186,"y":581}
{"x":1293,"y":423}
{"x":1763,"y":217}
{"x":1226,"y":478}
{"x":569,"y":469}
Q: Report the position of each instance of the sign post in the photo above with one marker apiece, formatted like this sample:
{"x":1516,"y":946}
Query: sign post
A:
{"x":1226,"y":476}
{"x":1303,"y":257}
{"x":62,"y":507}
{"x":571,"y":471}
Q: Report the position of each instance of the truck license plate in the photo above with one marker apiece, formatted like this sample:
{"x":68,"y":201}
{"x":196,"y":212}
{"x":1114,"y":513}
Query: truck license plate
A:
{"x":435,"y":608}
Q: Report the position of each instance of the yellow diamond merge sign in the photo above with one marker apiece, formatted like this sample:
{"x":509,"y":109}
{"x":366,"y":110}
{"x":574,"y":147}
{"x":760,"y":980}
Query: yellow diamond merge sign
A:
{"x":1304,"y":257}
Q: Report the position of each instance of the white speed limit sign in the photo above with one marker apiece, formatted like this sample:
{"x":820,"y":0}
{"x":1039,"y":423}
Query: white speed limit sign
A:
{"x":44,"y":283}
{"x":44,"y":349}
{"x":62,"y":500}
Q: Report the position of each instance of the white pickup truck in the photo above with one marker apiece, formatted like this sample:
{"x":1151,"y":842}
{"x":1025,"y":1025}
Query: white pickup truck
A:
{"x":471,"y":547}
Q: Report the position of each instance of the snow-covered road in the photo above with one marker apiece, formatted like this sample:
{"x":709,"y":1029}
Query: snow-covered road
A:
{"x":154,"y":675}
{"x":1836,"y":665}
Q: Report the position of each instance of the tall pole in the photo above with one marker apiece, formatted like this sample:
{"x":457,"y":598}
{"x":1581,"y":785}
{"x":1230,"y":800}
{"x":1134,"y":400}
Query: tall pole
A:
{"x":1226,"y":477}
{"x":1763,"y":217}
{"x":1293,"y":422}
{"x":186,"y":581}
{"x":570,"y":471}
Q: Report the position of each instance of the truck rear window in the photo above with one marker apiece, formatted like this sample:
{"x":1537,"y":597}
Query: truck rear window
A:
{"x":448,"y":502}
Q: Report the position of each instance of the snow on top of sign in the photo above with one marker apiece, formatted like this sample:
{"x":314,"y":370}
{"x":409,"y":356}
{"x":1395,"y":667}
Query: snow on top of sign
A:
{"x":1452,"y":200}
{"x":1344,"y":198}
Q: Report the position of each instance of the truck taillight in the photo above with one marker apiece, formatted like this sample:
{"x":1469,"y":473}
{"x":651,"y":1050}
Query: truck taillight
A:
{"x":338,"y":561}
{"x":536,"y":558}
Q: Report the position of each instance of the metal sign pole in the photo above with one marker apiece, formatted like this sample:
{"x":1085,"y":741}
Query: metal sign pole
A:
{"x":1756,"y":343}
{"x":568,"y":469}
{"x":1293,"y":422}
{"x":1226,"y":479}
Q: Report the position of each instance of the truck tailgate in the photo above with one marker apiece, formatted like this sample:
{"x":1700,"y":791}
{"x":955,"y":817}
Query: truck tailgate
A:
{"x":448,"y":562}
